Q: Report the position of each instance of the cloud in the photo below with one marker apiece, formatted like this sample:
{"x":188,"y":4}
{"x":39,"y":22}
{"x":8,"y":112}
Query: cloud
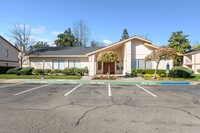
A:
{"x":55,"y":33}
{"x":38,"y":30}
{"x":106,"y":42}
{"x":36,"y":39}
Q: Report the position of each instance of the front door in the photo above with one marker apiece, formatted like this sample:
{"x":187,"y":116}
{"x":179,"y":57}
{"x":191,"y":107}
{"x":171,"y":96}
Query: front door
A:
{"x":105,"y":68}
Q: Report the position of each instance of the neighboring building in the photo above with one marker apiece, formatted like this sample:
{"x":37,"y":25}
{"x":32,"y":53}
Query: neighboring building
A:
{"x":131,"y":54}
{"x":8,"y":53}
{"x":192,"y":59}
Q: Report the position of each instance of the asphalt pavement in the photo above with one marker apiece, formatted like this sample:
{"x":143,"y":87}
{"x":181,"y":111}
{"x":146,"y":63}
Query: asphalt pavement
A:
{"x":99,"y":108}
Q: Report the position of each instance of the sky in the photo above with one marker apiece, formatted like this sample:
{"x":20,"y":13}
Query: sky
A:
{"x":106,"y":19}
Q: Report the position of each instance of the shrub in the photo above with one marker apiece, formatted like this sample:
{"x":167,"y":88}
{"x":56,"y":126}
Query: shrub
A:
{"x":140,"y":71}
{"x":198,"y":70}
{"x":151,"y":75}
{"x":47,"y":71}
{"x":25,"y":71}
{"x":179,"y":71}
{"x":75,"y":71}
{"x":13,"y":71}
{"x":37,"y":71}
{"x":152,"y":71}
{"x":4,"y":69}
{"x":133,"y":72}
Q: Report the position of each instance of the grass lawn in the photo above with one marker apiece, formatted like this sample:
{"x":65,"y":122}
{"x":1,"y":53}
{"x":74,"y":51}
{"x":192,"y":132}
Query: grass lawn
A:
{"x":14,"y":76}
{"x":194,"y":77}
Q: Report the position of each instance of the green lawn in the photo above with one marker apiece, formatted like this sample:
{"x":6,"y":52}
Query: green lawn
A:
{"x":14,"y":76}
{"x":194,"y":77}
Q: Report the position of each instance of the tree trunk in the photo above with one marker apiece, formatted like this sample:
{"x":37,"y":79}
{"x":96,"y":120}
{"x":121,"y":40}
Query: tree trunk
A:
{"x":21,"y":61}
{"x":154,"y":77}
{"x":108,"y":70}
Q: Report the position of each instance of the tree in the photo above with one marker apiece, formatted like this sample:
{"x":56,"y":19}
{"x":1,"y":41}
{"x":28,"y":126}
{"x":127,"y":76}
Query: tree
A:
{"x":197,"y":45}
{"x":163,"y":53}
{"x":108,"y":57}
{"x":21,"y":34}
{"x":94,"y":43}
{"x":38,"y":45}
{"x":124,"y":35}
{"x":181,"y":45}
{"x":81,"y":32}
{"x":66,"y":39}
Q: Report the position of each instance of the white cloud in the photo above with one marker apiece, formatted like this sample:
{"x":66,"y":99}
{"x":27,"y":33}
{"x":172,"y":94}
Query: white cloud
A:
{"x":48,"y":40}
{"x":55,"y":33}
{"x":106,"y":42}
{"x":38,"y":30}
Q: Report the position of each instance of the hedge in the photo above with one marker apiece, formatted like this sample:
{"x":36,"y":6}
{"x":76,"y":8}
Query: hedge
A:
{"x":198,"y":70}
{"x":25,"y":71}
{"x":150,"y":71}
{"x":4,"y":69}
{"x":180,"y":72}
{"x":14,"y":70}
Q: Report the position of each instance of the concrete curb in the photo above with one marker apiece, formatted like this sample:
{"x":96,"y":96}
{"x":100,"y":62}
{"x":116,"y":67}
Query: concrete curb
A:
{"x":59,"y":81}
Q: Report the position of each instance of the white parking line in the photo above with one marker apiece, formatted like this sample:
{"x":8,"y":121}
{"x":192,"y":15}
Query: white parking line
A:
{"x":10,"y":85}
{"x":146,"y":90}
{"x":31,"y":89}
{"x":72,"y":89}
{"x":109,"y":91}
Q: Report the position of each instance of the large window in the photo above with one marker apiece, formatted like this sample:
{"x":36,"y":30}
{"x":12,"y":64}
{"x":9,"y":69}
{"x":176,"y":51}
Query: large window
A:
{"x":74,"y":63}
{"x":118,"y":65}
{"x":58,"y":64}
{"x":140,"y":64}
{"x":99,"y":65}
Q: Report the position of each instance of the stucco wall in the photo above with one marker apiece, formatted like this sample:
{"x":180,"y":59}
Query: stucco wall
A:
{"x":37,"y":62}
{"x":12,"y":58}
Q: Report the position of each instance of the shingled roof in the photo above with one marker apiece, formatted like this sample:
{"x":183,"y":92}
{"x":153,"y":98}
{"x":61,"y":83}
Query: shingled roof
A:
{"x":193,"y":51}
{"x":63,"y":51}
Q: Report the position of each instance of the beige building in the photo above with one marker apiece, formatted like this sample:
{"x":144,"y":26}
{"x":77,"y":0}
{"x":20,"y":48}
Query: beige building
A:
{"x":192,"y":60}
{"x":8,"y":54}
{"x":131,"y":55}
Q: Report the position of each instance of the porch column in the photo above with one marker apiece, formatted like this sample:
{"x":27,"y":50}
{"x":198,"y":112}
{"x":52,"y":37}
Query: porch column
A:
{"x":92,"y":68}
{"x":127,"y":59}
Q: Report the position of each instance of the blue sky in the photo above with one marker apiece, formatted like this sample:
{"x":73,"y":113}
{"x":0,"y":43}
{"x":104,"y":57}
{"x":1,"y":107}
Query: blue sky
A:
{"x":155,"y":19}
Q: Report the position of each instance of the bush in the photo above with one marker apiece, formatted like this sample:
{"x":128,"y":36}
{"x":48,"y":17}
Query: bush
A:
{"x":140,"y":71}
{"x":25,"y":71}
{"x":152,"y":71}
{"x":47,"y":71}
{"x":75,"y":71}
{"x":4,"y":69}
{"x":198,"y":70}
{"x":37,"y":71}
{"x":179,"y":71}
{"x":13,"y":71}
{"x":133,"y":72}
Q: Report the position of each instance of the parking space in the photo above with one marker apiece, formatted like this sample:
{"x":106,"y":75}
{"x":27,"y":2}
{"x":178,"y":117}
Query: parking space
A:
{"x":98,"y":108}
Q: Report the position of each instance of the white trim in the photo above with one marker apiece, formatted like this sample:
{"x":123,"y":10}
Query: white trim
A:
{"x":146,"y":90}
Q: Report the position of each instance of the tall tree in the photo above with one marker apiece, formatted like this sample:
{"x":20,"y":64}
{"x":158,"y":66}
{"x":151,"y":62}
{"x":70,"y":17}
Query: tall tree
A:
{"x":66,"y":39}
{"x":108,"y":57}
{"x":38,"y":45}
{"x":163,"y":53}
{"x":21,"y":34}
{"x":81,"y":32}
{"x":124,"y":35}
{"x":181,"y":44}
{"x":197,"y":45}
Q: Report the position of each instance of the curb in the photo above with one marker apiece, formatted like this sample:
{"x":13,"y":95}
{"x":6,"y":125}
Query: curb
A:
{"x":102,"y":82}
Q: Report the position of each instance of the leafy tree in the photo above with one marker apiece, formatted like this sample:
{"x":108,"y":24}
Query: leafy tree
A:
{"x":124,"y":35}
{"x":163,"y":53}
{"x":81,"y":32}
{"x":21,"y":34}
{"x":197,"y":45}
{"x":181,"y":44}
{"x":66,"y":39}
{"x":108,"y":57}
{"x":38,"y":45}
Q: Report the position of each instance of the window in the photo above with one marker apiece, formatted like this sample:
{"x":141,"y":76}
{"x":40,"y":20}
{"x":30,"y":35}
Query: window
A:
{"x":58,"y":64}
{"x":6,"y":52}
{"x":118,"y":65}
{"x":6,"y":64}
{"x":74,"y":63}
{"x":99,"y":65}
{"x":140,"y":64}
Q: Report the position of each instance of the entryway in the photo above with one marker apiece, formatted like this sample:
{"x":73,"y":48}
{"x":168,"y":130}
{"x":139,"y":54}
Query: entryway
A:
{"x":112,"y":68}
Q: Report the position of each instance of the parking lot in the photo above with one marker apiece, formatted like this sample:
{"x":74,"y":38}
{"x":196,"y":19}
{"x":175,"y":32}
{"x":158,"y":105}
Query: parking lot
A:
{"x":100,"y":108}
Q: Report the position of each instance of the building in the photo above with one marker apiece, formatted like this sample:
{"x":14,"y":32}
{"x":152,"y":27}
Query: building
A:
{"x":8,"y":54}
{"x":192,"y":60}
{"x":131,"y":55}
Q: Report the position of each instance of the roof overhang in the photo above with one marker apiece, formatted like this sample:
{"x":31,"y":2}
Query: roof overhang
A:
{"x":121,"y":42}
{"x":38,"y":56}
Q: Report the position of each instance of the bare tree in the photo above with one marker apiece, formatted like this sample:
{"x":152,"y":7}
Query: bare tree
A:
{"x":81,"y":32}
{"x":21,"y":34}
